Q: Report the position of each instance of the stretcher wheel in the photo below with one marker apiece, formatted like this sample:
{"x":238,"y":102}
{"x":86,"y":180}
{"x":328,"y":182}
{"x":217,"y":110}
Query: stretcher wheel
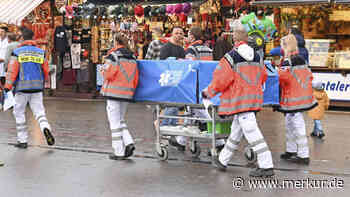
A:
{"x":163,"y":156}
{"x":250,"y":155}
{"x":195,"y":149}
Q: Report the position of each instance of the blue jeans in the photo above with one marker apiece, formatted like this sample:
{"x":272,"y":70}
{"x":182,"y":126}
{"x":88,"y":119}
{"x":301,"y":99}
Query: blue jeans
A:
{"x":317,"y":127}
{"x":170,"y":111}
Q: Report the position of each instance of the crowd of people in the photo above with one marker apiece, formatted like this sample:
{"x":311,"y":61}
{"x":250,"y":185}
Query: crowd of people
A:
{"x":239,"y":77}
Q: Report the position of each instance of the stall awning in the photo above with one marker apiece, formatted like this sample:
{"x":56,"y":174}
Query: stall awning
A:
{"x":342,"y":1}
{"x":13,"y":11}
{"x":288,"y":2}
{"x":114,"y":2}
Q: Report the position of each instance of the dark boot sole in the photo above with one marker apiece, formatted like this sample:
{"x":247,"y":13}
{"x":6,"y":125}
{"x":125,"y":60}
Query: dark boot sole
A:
{"x":49,"y":137}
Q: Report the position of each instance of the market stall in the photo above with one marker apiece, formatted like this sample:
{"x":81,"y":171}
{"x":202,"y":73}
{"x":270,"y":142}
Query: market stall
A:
{"x":325,"y":27}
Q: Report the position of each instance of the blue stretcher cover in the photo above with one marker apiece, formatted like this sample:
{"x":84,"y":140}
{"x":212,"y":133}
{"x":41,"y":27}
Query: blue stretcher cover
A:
{"x":168,"y":81}
{"x":175,"y":81}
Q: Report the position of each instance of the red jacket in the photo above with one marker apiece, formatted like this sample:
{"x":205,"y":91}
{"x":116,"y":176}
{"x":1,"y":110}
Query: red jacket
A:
{"x":121,"y":76}
{"x":240,"y":81}
{"x":296,"y":88}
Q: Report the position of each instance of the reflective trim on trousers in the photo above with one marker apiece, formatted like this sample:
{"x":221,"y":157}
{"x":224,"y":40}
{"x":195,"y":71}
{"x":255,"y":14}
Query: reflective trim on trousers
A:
{"x":231,"y":145}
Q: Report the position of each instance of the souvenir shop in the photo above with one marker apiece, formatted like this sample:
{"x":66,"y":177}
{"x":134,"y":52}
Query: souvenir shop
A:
{"x":325,"y":27}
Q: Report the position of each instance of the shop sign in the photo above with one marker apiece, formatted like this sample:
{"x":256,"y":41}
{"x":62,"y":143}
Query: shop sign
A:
{"x":336,"y":85}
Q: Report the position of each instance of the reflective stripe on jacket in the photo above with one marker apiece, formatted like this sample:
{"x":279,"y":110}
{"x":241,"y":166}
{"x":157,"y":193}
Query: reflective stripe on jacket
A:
{"x":296,"y":89}
{"x":240,"y":83}
{"x":29,"y":70}
{"x":121,"y":76}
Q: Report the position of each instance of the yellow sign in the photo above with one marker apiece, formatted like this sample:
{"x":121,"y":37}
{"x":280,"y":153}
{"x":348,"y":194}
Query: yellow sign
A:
{"x":23,"y":59}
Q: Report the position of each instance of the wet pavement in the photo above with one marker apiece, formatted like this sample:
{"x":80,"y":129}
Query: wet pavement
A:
{"x":78,"y":163}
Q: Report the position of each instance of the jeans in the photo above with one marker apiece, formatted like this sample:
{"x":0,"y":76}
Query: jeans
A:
{"x":317,"y":127}
{"x":170,"y":111}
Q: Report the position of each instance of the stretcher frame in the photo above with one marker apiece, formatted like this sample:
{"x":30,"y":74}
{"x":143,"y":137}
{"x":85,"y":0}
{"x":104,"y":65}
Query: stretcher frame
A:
{"x":162,"y":149}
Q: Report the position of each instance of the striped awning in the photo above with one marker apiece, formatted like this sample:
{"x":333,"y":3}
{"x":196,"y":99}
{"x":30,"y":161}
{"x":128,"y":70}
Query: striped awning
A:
{"x":13,"y":11}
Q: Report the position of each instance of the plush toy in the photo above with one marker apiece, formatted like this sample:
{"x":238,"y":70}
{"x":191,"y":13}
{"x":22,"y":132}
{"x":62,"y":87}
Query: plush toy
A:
{"x":139,"y":11}
{"x":170,"y":9}
{"x":186,"y":8}
{"x":178,"y":8}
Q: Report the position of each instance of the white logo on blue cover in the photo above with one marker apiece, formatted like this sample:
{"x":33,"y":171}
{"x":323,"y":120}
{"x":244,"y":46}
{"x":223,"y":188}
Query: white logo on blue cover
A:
{"x":170,"y":78}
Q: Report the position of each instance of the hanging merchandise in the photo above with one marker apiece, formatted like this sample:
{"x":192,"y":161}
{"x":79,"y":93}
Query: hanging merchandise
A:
{"x":67,"y":60}
{"x":75,"y":53}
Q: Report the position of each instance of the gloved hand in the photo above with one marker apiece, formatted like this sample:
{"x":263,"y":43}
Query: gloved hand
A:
{"x":207,"y":103}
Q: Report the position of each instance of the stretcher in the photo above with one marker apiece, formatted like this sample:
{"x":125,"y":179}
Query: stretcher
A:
{"x":179,"y":83}
{"x":172,"y":83}
{"x":194,"y":136}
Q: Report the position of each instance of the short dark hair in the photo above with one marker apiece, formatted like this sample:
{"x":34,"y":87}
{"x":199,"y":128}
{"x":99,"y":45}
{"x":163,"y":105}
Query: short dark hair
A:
{"x":4,"y":28}
{"x":27,"y":34}
{"x":196,"y":32}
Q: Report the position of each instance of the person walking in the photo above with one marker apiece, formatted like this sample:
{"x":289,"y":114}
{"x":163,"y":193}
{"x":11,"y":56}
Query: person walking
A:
{"x":3,"y":49}
{"x":120,"y":82}
{"x":317,"y":113}
{"x":239,"y":77}
{"x":26,"y":75}
{"x":296,"y":97}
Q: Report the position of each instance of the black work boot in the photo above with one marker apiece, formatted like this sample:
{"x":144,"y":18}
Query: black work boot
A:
{"x":262,"y":172}
{"x":49,"y":137}
{"x":321,"y":135}
{"x":115,"y":157}
{"x":288,"y":155}
{"x":173,"y":142}
{"x":129,"y":150}
{"x":21,"y":145}
{"x":219,"y":165}
{"x":299,"y":160}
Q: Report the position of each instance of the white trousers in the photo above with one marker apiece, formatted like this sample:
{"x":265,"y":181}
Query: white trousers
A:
{"x":245,"y":124}
{"x":296,"y":140}
{"x":35,"y":101}
{"x":121,"y":137}
{"x":200,"y":113}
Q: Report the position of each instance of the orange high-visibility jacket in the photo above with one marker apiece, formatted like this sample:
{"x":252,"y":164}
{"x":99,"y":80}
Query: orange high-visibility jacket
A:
{"x":198,"y":51}
{"x":240,"y":82}
{"x":296,"y":89}
{"x":121,"y":76}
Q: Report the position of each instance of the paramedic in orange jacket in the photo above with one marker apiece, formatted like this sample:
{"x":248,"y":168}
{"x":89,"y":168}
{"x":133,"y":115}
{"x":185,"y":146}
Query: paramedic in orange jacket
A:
{"x":120,"y":82}
{"x":239,"y":77}
{"x":26,"y":75}
{"x":296,"y":97}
